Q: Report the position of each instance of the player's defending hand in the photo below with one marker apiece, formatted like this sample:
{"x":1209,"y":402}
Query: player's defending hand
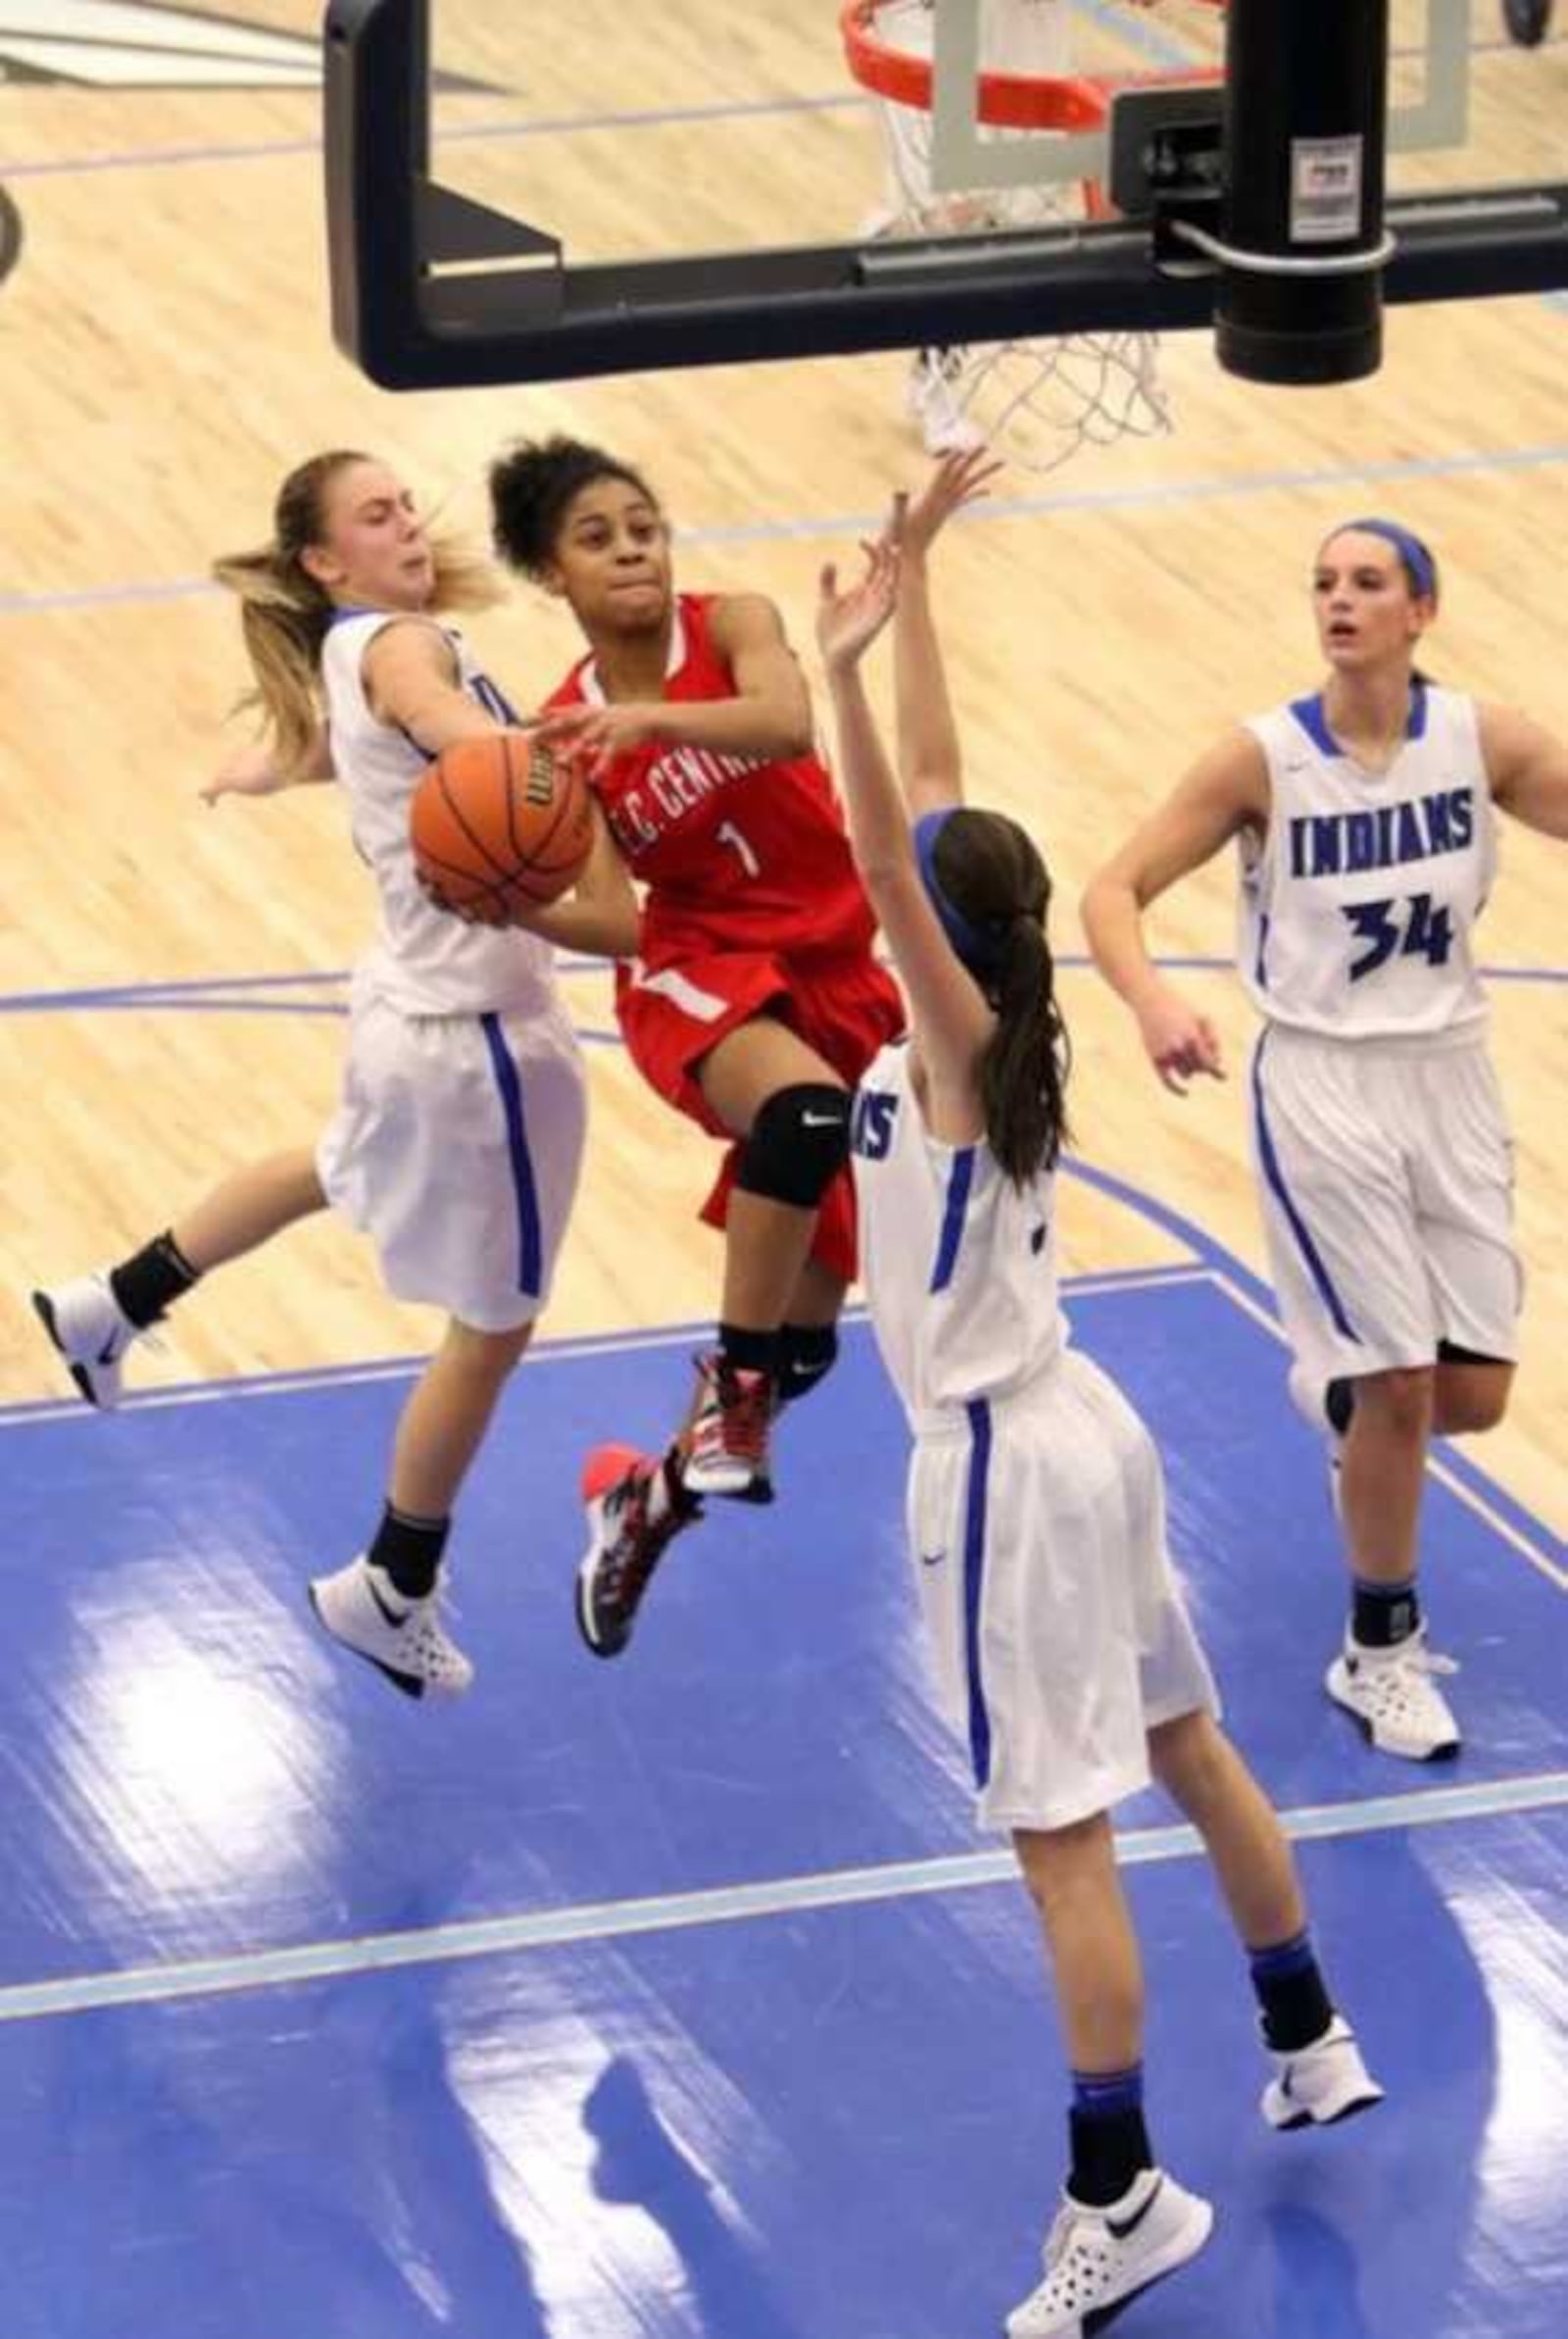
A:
{"x":1179,"y":1043}
{"x":957,"y":480}
{"x":592,"y":736}
{"x":249,"y":772}
{"x":849,"y":622}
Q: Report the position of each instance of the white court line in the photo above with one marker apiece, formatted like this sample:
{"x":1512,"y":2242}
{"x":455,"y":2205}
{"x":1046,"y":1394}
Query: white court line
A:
{"x":667,"y":1913}
{"x":1472,"y":1498}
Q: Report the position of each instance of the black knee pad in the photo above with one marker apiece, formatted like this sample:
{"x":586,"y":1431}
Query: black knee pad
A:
{"x":800,"y":1140}
{"x":807,"y":1354}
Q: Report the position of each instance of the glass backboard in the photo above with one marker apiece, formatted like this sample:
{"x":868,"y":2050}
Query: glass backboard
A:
{"x":685,"y":181}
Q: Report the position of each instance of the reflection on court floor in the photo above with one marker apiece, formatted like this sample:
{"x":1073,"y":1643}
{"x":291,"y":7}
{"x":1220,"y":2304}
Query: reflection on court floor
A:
{"x":677,"y":1997}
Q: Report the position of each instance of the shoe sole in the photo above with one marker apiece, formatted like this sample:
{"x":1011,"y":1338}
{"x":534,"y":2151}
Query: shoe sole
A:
{"x":1444,"y":1753}
{"x":596,"y":1645}
{"x":43,"y":1309}
{"x":1333,"y":2119}
{"x":584,"y":1606}
{"x":746,"y":1490}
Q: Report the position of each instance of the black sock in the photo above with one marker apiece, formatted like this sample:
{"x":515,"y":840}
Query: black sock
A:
{"x":1297,"y":2007}
{"x":409,"y":1551}
{"x":1109,"y":2149}
{"x":1339,"y":1403}
{"x":150,"y":1280}
{"x":1384,"y":1614}
{"x":745,"y":1350}
{"x":807,"y":1353}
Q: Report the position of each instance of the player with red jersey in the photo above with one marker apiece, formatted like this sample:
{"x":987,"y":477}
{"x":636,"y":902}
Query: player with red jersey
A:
{"x":755,"y":1002}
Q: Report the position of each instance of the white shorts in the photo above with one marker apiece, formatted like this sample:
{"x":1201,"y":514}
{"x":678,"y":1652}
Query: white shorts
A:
{"x":1386,"y":1170}
{"x":1036,"y":1530}
{"x":456,"y":1148}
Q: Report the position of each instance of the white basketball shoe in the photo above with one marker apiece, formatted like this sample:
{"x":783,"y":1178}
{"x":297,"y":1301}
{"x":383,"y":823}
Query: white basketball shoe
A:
{"x":1394,"y":1698}
{"x":405,"y":1639}
{"x":1315,"y":2085}
{"x":1094,"y":2258}
{"x":91,"y":1332}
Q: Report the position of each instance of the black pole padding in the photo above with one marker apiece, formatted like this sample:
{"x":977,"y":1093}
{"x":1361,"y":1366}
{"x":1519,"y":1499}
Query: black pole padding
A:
{"x":1305,"y":122}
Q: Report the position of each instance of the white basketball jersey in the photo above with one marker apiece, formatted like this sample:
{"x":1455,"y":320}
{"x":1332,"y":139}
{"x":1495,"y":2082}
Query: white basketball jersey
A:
{"x":959,"y":1264}
{"x":1357,"y":912}
{"x":425,"y":962}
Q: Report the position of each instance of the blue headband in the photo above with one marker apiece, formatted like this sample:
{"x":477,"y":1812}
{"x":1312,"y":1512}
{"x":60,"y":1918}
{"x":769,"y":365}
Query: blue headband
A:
{"x":970,"y":943}
{"x":1418,"y":561}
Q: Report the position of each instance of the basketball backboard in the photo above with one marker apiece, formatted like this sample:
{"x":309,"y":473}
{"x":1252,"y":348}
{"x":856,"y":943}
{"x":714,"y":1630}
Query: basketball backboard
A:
{"x":630,"y":188}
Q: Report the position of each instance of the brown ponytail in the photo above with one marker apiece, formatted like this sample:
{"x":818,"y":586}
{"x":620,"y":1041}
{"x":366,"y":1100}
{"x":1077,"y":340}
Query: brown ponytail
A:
{"x":992,"y":873}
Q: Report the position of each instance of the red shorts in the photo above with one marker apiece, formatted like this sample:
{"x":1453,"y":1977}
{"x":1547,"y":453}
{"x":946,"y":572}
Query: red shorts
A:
{"x":846,"y":1009}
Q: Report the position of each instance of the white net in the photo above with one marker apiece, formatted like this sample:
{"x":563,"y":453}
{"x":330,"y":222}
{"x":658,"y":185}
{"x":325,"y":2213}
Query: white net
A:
{"x":1043,"y":398}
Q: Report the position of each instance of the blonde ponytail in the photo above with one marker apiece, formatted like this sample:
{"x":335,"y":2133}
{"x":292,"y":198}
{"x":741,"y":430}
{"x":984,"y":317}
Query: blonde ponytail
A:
{"x":285,"y":614}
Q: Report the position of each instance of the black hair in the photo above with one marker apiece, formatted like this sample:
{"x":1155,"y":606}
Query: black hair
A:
{"x":531,"y":487}
{"x":992,"y":873}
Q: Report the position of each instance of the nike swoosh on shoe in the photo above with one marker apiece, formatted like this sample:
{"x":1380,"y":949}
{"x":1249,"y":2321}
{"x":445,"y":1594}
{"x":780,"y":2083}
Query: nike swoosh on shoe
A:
{"x":1121,"y":2230}
{"x":388,"y":1615}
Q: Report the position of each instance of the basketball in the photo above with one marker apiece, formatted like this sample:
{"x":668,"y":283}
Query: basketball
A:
{"x":499,"y":823}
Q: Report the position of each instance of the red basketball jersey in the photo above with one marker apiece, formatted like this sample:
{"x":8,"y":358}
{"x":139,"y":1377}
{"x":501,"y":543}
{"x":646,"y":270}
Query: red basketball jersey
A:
{"x":738,"y":852}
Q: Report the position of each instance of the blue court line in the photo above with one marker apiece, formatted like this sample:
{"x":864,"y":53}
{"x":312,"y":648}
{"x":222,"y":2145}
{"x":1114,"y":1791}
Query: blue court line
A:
{"x":203,"y":989}
{"x":533,"y":126}
{"x":1159,"y":48}
{"x":780,"y":1896}
{"x":1101,"y":1281}
{"x":234,"y":990}
{"x":1227,"y":1269}
{"x":1522,"y":1526}
{"x":1152,"y":496}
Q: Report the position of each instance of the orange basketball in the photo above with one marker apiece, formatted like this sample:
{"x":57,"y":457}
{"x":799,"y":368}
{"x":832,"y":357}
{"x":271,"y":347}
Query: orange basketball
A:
{"x":499,"y":821}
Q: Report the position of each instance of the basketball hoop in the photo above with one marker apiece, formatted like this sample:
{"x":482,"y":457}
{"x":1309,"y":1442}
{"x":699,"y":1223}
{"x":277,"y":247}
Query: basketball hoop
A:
{"x":1043,"y":398}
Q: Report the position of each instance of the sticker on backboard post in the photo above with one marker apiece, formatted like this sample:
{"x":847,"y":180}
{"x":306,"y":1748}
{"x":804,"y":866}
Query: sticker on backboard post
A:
{"x":10,"y":235}
{"x":1325,"y":190}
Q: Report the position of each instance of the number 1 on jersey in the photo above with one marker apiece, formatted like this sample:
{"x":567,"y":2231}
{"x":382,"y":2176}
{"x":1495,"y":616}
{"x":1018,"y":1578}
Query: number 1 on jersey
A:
{"x":728,"y":834}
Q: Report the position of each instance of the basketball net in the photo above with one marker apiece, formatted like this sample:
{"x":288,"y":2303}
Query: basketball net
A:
{"x":1044,"y":397}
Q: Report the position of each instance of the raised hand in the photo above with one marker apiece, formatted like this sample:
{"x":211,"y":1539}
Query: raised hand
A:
{"x":849,"y":622}
{"x":957,"y":480}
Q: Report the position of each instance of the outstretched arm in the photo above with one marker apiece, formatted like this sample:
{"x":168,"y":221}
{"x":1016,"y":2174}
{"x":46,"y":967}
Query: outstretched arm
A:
{"x":930,"y":759}
{"x":1528,"y":768}
{"x":1225,"y":791}
{"x":950,"y":1014}
{"x":770,"y":714}
{"x":412,"y":679}
{"x":255,"y":770}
